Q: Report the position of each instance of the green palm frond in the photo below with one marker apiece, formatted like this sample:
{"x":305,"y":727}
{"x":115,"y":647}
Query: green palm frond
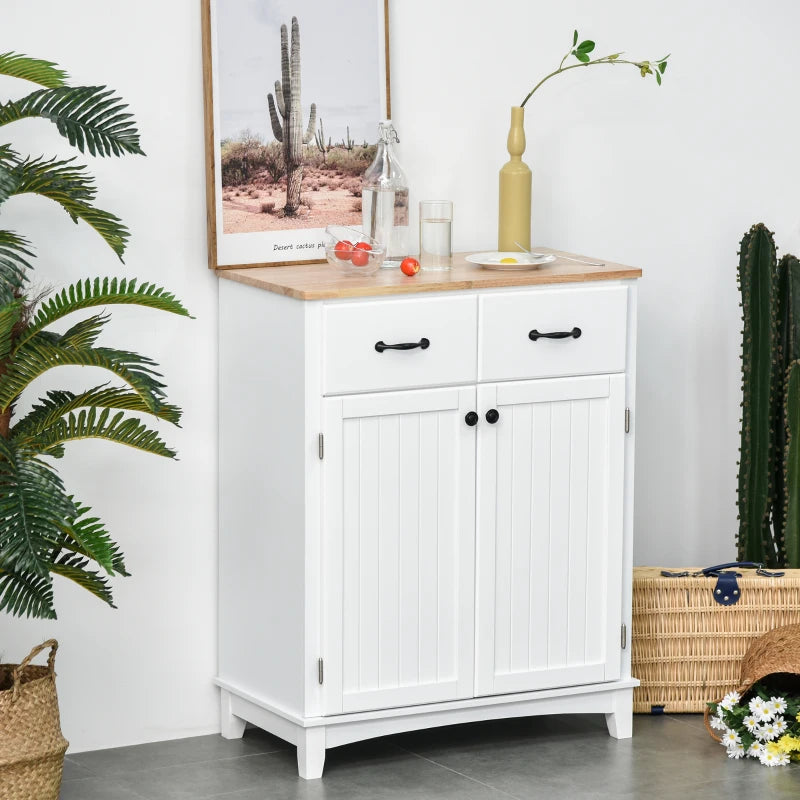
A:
{"x":74,"y":567}
{"x":58,"y":403}
{"x":13,"y":265}
{"x":91,"y":117}
{"x":32,"y":504}
{"x":87,"y":536}
{"x":72,"y":187}
{"x":109,"y":291}
{"x":24,"y":594}
{"x":84,"y":333}
{"x":89,"y":424}
{"x":36,"y":70}
{"x":8,"y":181}
{"x":40,"y":354}
{"x":9,"y":317}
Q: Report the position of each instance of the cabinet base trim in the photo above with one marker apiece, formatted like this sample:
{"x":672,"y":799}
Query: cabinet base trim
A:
{"x":612,"y":699}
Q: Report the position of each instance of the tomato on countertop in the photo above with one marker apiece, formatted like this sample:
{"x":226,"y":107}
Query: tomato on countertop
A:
{"x":409,"y":266}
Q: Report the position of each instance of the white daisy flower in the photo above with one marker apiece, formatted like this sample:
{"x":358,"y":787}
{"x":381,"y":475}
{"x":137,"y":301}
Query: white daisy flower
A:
{"x":777,"y":705}
{"x":720,"y":711}
{"x":773,"y":758}
{"x":736,"y":752}
{"x":767,"y":732}
{"x":755,"y":750}
{"x":751,"y":723}
{"x":730,"y":738}
{"x":730,"y":700}
{"x":780,"y":725}
{"x":717,"y":724}
{"x":760,"y":710}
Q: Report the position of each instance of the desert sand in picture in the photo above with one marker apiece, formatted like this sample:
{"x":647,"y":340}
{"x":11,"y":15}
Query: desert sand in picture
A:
{"x":254,"y":186}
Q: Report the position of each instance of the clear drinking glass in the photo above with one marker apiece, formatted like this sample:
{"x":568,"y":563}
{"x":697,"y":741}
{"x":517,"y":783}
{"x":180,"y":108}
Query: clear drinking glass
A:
{"x":435,"y":234}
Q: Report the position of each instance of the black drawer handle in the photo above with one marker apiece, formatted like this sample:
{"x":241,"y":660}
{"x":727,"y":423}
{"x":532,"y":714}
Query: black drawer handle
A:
{"x":471,"y":419}
{"x":423,"y":344}
{"x":573,"y":334}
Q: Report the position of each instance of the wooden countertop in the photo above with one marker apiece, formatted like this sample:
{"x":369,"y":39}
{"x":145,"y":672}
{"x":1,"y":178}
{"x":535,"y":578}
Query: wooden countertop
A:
{"x":324,"y":282}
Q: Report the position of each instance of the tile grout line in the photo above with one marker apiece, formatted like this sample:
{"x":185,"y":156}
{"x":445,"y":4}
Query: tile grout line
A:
{"x":456,"y":772}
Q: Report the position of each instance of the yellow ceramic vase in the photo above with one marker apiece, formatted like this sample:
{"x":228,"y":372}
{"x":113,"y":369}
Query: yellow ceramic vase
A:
{"x":514,"y":224}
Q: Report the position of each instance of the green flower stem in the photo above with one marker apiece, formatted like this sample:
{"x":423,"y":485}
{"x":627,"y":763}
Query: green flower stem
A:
{"x":604,"y":60}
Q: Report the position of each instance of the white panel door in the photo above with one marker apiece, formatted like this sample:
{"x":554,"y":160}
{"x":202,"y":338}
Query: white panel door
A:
{"x":398,"y":549}
{"x":549,"y":533}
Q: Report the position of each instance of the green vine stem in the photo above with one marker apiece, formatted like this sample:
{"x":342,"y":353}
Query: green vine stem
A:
{"x":581,"y":52}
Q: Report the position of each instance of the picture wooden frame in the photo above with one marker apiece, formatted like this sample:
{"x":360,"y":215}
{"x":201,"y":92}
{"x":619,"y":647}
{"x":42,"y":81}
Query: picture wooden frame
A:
{"x":243,"y":228}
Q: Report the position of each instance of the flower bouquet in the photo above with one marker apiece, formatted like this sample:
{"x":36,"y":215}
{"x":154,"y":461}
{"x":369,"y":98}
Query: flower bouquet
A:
{"x":761,"y":724}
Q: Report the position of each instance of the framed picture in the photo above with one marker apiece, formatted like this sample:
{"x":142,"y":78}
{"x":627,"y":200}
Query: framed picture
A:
{"x":294,"y":91}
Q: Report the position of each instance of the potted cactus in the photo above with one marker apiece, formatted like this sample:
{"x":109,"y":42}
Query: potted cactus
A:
{"x":769,"y":466}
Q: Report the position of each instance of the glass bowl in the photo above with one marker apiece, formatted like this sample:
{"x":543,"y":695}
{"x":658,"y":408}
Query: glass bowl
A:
{"x":351,"y":258}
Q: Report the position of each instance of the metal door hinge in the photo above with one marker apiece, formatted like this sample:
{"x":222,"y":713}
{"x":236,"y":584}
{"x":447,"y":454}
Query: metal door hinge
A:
{"x":321,"y":452}
{"x":623,"y":638}
{"x":627,"y":420}
{"x":320,"y":671}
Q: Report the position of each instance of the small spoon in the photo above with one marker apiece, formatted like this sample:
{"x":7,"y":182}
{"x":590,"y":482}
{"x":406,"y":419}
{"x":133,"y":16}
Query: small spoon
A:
{"x":568,"y":258}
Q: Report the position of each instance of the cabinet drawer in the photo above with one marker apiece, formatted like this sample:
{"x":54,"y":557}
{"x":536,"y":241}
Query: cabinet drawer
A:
{"x":512,"y":324}
{"x":447,"y":328}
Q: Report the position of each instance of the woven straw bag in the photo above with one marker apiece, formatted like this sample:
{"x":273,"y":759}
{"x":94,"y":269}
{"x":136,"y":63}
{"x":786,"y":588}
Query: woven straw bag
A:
{"x":774,"y":653}
{"x":31,"y":745}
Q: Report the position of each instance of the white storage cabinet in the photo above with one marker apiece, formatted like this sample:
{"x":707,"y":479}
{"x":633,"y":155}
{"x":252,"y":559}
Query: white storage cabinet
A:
{"x":430,"y":535}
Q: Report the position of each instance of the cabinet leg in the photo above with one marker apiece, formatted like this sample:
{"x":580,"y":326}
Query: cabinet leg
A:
{"x":620,"y":720}
{"x":232,"y":726}
{"x":311,"y":753}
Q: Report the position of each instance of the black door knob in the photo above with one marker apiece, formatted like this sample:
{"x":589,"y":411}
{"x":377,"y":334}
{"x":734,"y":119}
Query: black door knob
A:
{"x":471,"y":418}
{"x":492,"y":415}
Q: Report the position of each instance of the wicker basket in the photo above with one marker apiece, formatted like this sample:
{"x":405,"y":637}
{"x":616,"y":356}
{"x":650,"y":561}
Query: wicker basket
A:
{"x":31,"y":745}
{"x":686,"y":649}
{"x":775,"y":653}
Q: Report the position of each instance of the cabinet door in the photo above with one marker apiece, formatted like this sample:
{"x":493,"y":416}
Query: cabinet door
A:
{"x":398,"y":549}
{"x":549,"y":537}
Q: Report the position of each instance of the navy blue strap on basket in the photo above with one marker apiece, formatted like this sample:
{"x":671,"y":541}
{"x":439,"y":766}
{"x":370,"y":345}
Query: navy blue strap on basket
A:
{"x":726,"y":592}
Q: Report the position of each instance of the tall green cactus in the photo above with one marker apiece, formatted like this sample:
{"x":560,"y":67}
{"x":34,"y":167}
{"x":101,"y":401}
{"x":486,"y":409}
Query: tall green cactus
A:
{"x":791,"y":468}
{"x":319,"y":138}
{"x":757,"y":461}
{"x":290,"y":133}
{"x":769,"y":470}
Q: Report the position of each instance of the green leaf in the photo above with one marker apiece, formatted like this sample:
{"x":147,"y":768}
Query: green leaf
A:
{"x":88,"y":424}
{"x":45,"y":73}
{"x":662,"y":66}
{"x":84,"y":333}
{"x":13,"y":265}
{"x":9,"y":317}
{"x":582,"y":57}
{"x":91,"y":117}
{"x":109,"y":291}
{"x":574,"y":38}
{"x":73,"y":189}
{"x":32,"y":504}
{"x":41,"y":354}
{"x":586,"y":46}
{"x":24,"y":594}
{"x":87,"y":536}
{"x":613,"y":56}
{"x":658,"y":78}
{"x":74,"y":567}
{"x":60,"y":402}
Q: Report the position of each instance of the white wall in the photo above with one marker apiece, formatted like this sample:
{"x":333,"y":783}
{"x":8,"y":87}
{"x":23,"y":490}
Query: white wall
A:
{"x":667,"y":179}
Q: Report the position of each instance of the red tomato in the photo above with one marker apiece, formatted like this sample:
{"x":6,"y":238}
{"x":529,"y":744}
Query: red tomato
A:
{"x":360,"y":257}
{"x":343,"y":249}
{"x":363,"y":246}
{"x":409,"y":266}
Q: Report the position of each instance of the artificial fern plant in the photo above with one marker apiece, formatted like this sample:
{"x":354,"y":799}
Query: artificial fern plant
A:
{"x":45,"y":531}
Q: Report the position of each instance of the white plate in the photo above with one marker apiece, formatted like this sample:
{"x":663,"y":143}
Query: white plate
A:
{"x":524,"y":261}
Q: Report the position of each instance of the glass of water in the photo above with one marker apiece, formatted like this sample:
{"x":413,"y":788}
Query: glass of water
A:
{"x":435,"y":234}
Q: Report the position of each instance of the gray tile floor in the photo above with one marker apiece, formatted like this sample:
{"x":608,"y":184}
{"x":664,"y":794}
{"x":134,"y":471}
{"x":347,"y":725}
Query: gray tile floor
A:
{"x":542,"y":757}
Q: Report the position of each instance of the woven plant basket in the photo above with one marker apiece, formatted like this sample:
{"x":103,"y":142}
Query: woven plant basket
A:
{"x":31,"y":745}
{"x":775,"y":653}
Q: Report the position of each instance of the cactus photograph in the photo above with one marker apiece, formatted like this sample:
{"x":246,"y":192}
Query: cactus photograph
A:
{"x":296,"y":117}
